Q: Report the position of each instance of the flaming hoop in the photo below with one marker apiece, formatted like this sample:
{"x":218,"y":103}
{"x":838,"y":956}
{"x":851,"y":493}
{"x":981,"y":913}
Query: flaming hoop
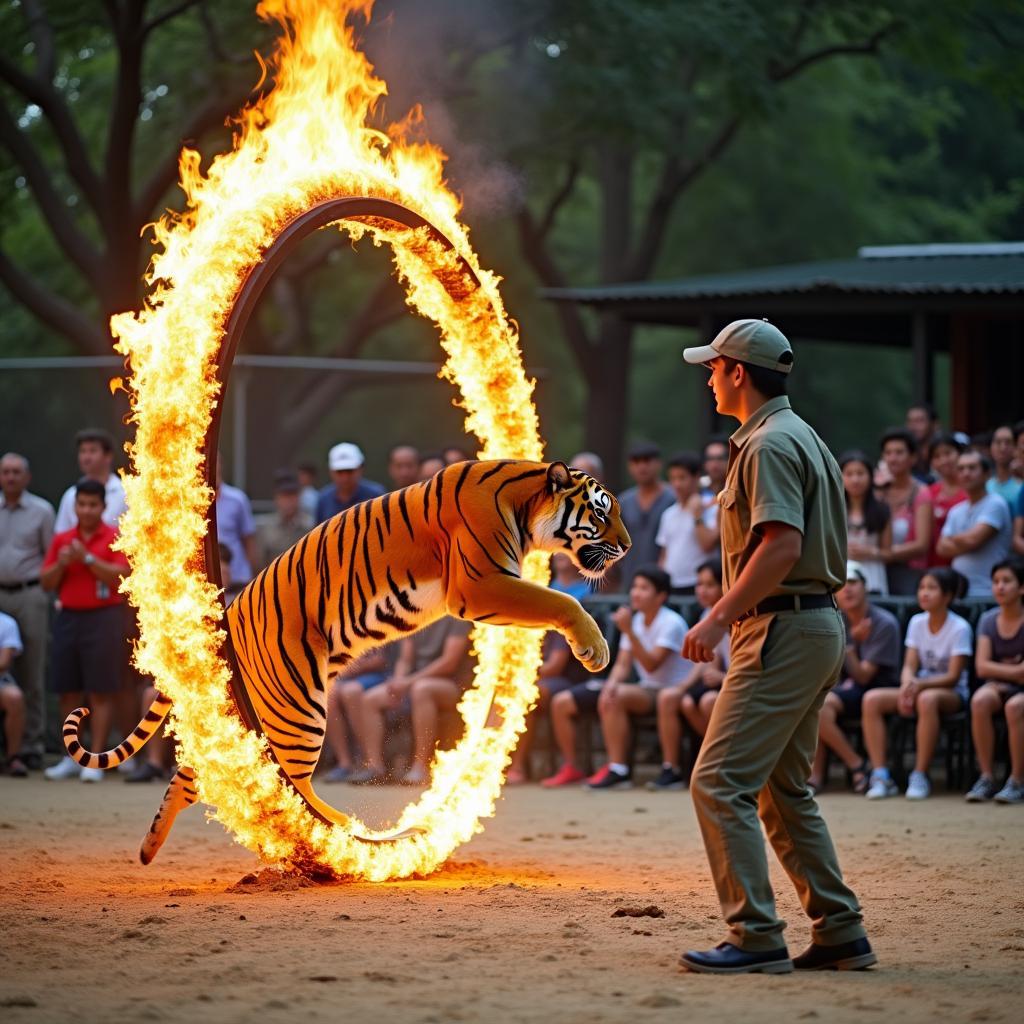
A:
{"x":305,"y":157}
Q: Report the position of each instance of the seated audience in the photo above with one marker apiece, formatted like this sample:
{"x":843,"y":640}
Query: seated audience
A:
{"x":287,"y":524}
{"x":946,"y":491}
{"x":999,"y":664}
{"x":978,"y":530}
{"x":933,"y":683}
{"x":696,"y":697}
{"x":12,"y":700}
{"x":1004,"y":481}
{"x":910,"y":512}
{"x":652,"y":637}
{"x":868,"y":526}
{"x":687,"y":531}
{"x":566,"y":577}
{"x":872,"y":660}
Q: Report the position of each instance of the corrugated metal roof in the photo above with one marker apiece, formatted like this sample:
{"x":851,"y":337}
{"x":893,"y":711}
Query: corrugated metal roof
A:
{"x":996,"y":269}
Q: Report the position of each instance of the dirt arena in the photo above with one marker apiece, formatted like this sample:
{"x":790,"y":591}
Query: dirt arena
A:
{"x":520,"y":926}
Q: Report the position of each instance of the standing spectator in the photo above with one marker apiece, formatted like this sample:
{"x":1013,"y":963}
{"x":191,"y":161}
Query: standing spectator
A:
{"x":95,"y":462}
{"x":288,"y":523}
{"x":89,"y":631}
{"x":933,"y":683}
{"x":868,"y":526}
{"x":978,"y":531}
{"x":1003,"y":480}
{"x":687,"y":531}
{"x":922,"y":424}
{"x":589,"y":463}
{"x":309,"y":495}
{"x":455,"y":453}
{"x":910,"y":512}
{"x":982,"y":443}
{"x":872,"y":659}
{"x":1018,"y":526}
{"x":348,"y":487}
{"x":999,"y":664}
{"x":237,"y":529}
{"x":641,"y":508}
{"x":1018,"y":437}
{"x":12,"y":700}
{"x":403,"y":466}
{"x":431,"y":464}
{"x":716,"y":466}
{"x":26,"y":530}
{"x":946,"y":491}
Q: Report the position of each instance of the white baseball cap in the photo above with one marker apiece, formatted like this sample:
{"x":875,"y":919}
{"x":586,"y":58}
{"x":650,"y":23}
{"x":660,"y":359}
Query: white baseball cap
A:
{"x":345,"y":456}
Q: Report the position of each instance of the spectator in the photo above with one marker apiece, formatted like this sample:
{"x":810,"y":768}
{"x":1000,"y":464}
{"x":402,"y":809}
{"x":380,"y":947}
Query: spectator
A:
{"x":910,"y":513}
{"x":589,"y":463}
{"x":431,"y":464}
{"x":1004,"y":456}
{"x":95,"y":462}
{"x":868,"y":525}
{"x":999,"y":664}
{"x":288,"y":524}
{"x":348,"y":488}
{"x":982,"y":443}
{"x":641,"y":508}
{"x":237,"y":529}
{"x":26,"y":530}
{"x":89,"y":631}
{"x":652,"y":637}
{"x":978,"y":531}
{"x":933,"y":683}
{"x":455,"y":453}
{"x":567,"y":578}
{"x":922,"y":424}
{"x":309,"y":495}
{"x":946,"y":491}
{"x":716,"y":467}
{"x":403,"y":466}
{"x":696,"y":697}
{"x":1018,"y":437}
{"x":12,"y":700}
{"x":433,"y":670}
{"x":1018,"y":526}
{"x":687,"y":531}
{"x":872,"y":660}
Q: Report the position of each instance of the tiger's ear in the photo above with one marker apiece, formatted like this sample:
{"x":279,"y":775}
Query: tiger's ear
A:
{"x":559,"y":478}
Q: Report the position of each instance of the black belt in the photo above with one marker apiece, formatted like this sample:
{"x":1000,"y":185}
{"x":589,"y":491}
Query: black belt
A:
{"x":13,"y":588}
{"x":790,"y":603}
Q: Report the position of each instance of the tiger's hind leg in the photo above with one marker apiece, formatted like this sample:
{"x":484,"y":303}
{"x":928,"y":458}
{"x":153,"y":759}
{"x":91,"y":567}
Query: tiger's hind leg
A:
{"x":181,"y":793}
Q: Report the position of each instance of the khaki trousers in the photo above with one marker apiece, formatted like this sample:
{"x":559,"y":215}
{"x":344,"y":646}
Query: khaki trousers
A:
{"x":30,"y":608}
{"x":755,"y":761}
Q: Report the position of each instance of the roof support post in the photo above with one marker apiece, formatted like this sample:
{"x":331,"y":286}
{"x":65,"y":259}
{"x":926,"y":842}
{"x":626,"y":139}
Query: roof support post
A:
{"x":922,"y":361}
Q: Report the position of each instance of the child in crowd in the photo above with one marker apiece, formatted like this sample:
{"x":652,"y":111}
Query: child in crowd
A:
{"x":1000,"y":667}
{"x":696,"y":696}
{"x":652,"y":637}
{"x":933,"y":682}
{"x":946,"y":491}
{"x":868,"y":525}
{"x":688,"y":529}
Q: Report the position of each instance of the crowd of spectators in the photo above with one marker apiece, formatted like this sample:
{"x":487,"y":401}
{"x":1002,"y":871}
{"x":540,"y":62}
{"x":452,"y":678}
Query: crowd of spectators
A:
{"x":933,"y":517}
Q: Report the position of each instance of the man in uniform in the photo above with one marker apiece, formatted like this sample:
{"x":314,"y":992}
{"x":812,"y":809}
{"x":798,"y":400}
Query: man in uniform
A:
{"x":783,"y":521}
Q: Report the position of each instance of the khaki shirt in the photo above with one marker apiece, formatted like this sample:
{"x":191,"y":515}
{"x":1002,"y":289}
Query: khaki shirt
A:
{"x":26,"y":530}
{"x":780,"y":471}
{"x":275,"y":536}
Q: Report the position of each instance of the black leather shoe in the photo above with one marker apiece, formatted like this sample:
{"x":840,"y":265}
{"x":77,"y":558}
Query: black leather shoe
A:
{"x":847,"y":956}
{"x":726,"y":958}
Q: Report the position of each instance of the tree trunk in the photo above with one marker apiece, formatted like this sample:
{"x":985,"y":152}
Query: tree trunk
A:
{"x":607,"y":403}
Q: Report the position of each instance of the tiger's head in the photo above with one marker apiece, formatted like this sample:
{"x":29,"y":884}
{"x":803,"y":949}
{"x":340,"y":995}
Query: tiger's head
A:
{"x":577,"y":516}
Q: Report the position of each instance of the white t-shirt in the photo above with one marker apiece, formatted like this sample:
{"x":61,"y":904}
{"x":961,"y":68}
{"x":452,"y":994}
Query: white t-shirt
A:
{"x":667,"y":629}
{"x":66,"y":518}
{"x":934,"y":650}
{"x":677,"y":534}
{"x":10,"y":636}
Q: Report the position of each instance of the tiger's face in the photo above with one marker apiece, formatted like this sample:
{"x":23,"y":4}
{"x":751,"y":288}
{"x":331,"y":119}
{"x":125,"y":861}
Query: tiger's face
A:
{"x":580,"y":518}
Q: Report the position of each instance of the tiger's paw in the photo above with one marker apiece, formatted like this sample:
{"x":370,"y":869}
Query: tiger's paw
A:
{"x":590,"y":647}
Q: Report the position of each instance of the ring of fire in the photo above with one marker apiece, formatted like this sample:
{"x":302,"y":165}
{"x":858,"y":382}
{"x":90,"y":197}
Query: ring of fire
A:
{"x":304,"y":158}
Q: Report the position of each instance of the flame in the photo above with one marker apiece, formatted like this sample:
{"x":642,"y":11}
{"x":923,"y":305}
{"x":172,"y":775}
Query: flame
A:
{"x":307,"y":140}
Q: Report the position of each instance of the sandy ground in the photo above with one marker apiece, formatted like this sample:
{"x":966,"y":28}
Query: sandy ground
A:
{"x":518,"y":927}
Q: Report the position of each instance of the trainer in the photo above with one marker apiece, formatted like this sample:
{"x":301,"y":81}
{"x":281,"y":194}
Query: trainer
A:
{"x":783,"y":521}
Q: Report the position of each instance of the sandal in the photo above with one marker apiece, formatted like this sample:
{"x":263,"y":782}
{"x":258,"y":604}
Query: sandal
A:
{"x":860,"y":778}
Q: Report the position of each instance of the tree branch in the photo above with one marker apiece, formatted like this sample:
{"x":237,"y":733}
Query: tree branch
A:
{"x":42,"y":38}
{"x":547,"y":222}
{"x":871,"y":45}
{"x":168,"y":15}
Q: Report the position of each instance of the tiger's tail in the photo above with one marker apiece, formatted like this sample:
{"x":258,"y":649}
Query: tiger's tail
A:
{"x":150,"y":723}
{"x":181,"y":793}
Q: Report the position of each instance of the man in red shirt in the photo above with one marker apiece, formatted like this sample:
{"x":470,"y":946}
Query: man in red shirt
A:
{"x":89,"y":631}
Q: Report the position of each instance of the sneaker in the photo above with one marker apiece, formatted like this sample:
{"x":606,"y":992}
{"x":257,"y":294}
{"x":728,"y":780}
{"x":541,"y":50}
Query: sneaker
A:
{"x":144,"y":772}
{"x":609,"y":779}
{"x":16,"y":768}
{"x":65,"y":768}
{"x":565,"y":776}
{"x":127,"y":768}
{"x":983,"y":790}
{"x":1011,"y":793}
{"x":91,"y":775}
{"x":668,"y":779}
{"x":339,"y":773}
{"x":881,"y":786}
{"x":918,"y":786}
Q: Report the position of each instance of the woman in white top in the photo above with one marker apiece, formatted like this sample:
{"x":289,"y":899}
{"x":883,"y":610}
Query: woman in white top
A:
{"x":933,"y":682}
{"x":868,"y":522}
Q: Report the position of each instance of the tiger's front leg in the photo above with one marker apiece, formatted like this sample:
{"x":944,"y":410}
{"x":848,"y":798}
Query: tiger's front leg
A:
{"x":509,"y":601}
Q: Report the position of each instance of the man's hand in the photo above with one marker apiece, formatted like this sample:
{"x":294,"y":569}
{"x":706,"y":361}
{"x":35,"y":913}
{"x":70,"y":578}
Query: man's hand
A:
{"x":64,"y":557}
{"x":695,"y":506}
{"x":702,"y":639}
{"x":623,"y":618}
{"x":77,"y":550}
{"x":861,"y":631}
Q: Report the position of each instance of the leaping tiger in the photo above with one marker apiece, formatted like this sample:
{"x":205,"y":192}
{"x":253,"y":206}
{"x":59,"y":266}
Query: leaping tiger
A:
{"x":385,"y":568}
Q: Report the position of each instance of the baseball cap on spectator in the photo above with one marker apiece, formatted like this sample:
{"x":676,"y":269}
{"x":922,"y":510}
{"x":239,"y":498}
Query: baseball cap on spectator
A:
{"x":855,"y":571}
{"x":644,"y":450}
{"x":286,"y":482}
{"x":749,"y":341}
{"x":345,"y":456}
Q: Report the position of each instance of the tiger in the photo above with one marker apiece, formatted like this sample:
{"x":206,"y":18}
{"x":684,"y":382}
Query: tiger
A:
{"x":451,"y":545}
